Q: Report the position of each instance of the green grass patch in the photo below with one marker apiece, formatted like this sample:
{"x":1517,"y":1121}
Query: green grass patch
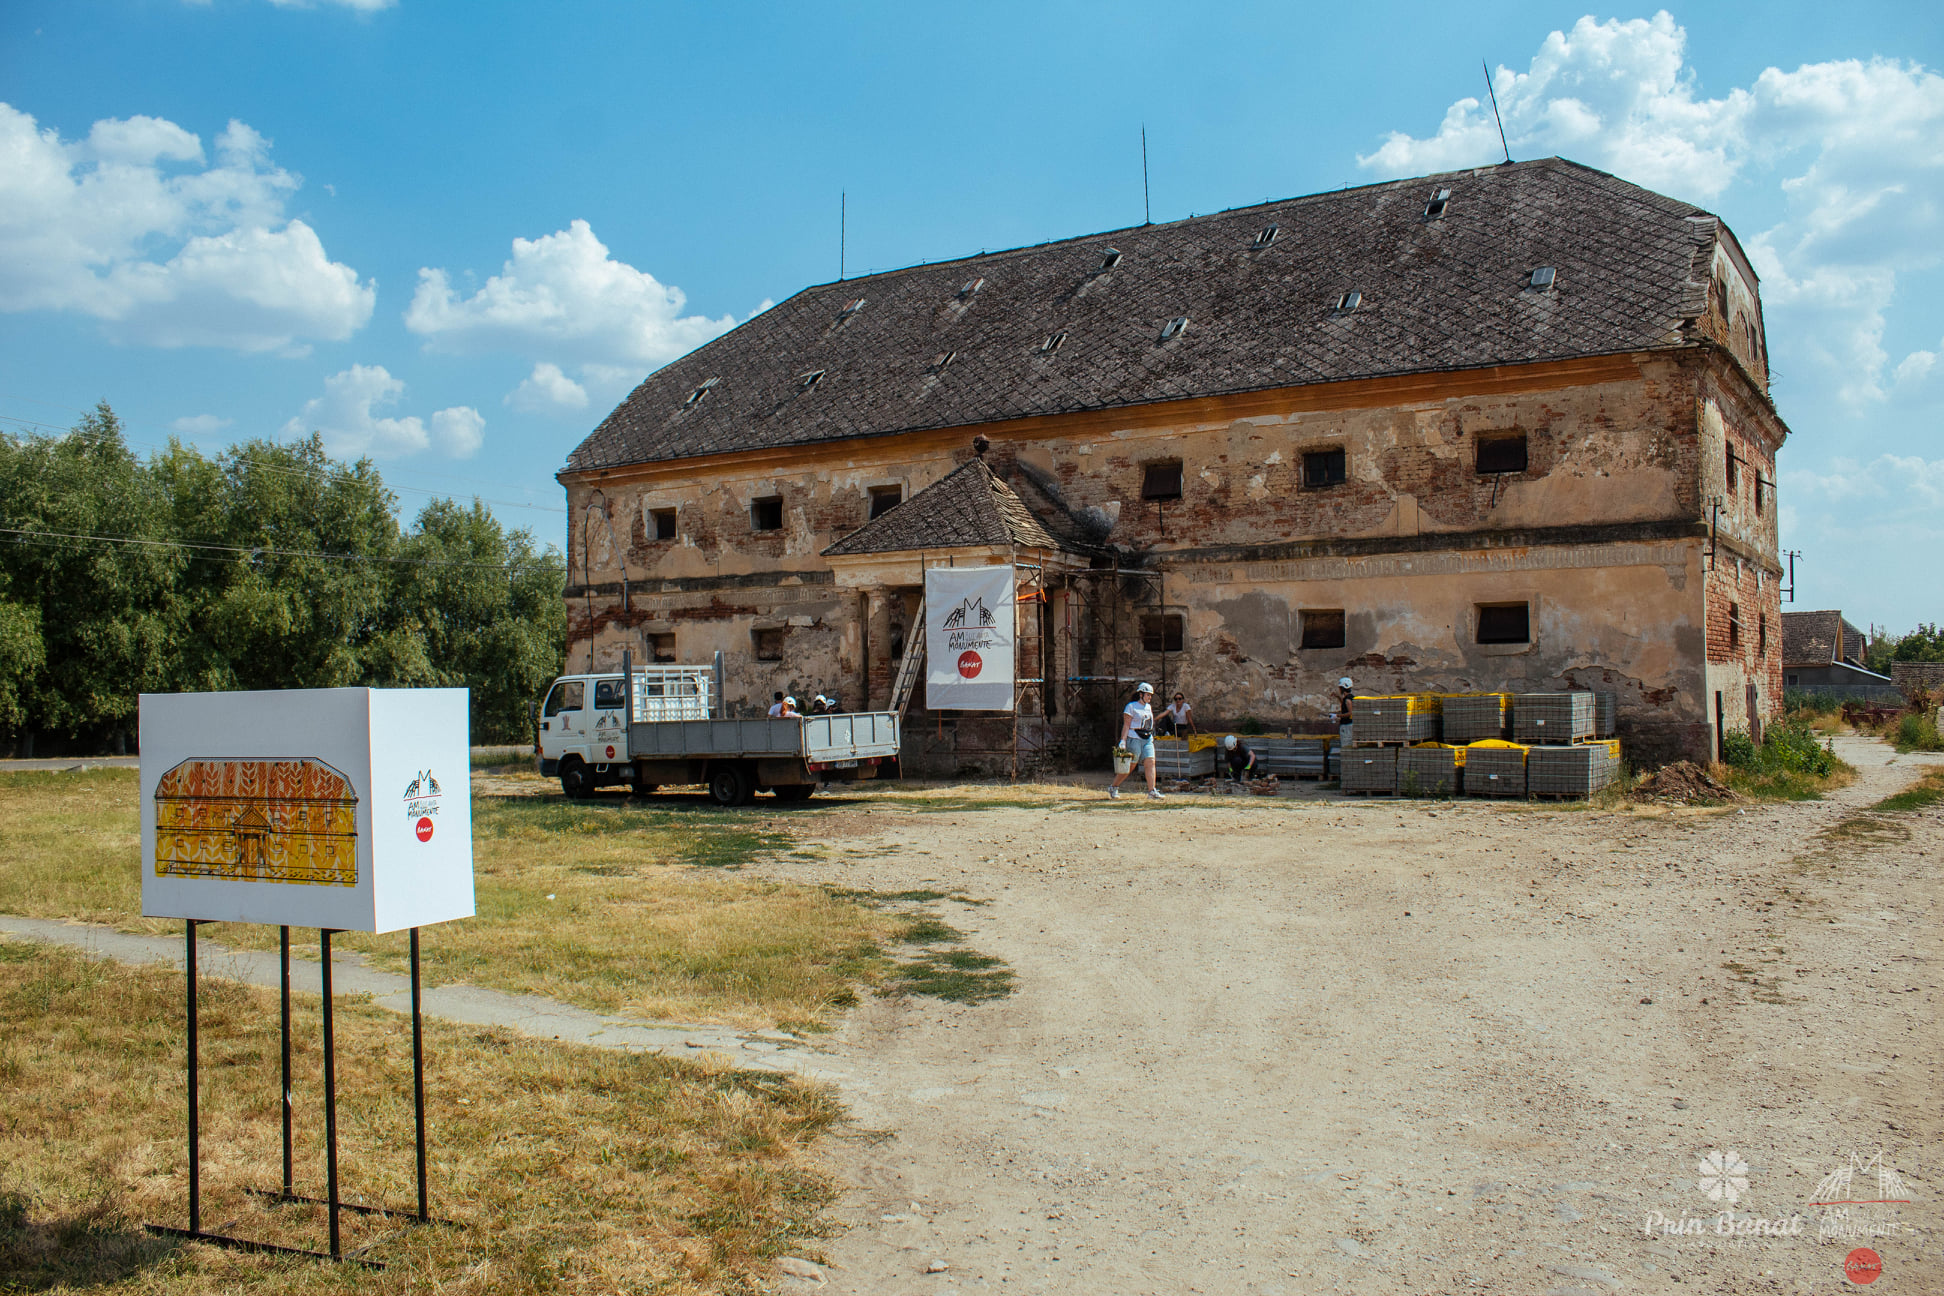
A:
{"x":1926,"y":791}
{"x":959,"y":975}
{"x":1784,"y":784}
{"x":1917,"y":732}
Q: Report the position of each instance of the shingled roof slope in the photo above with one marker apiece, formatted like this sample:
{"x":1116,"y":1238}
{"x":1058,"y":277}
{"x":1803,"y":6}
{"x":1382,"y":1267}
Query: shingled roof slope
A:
{"x":962,"y":343}
{"x":1819,"y":638}
{"x":968,"y":506}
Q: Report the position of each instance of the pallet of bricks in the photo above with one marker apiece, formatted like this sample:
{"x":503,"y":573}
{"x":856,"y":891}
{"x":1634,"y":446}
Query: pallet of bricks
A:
{"x":1556,"y":750}
{"x":1177,"y":758}
{"x":1305,"y":756}
{"x":1380,"y":728}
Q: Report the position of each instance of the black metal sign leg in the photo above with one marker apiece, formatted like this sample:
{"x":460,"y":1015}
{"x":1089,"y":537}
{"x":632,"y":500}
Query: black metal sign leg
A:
{"x":195,"y":1145}
{"x":284,"y":944}
{"x":330,"y":1093}
{"x":418,"y":1082}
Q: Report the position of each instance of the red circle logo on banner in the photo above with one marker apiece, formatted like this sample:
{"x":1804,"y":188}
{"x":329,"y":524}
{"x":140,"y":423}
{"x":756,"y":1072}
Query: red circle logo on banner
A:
{"x":425,"y":830}
{"x":1862,"y":1266}
{"x":970,"y":664}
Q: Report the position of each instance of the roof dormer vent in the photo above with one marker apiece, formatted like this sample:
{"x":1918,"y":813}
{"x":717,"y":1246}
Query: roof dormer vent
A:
{"x":969,"y":287}
{"x":1054,"y":341}
{"x":850,"y":308}
{"x":695,"y":397}
{"x":807,"y":381}
{"x":1267,"y":236}
{"x":1436,"y":207}
{"x":1109,"y":259}
{"x":1174,"y":328}
{"x":939,"y":362}
{"x":1543,"y":279}
{"x":1349,"y":302}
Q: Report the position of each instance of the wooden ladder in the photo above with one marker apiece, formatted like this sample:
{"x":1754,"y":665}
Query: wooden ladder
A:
{"x":910,"y":664}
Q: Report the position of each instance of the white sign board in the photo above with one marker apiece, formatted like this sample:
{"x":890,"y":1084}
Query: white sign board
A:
{"x":342,"y":808}
{"x":970,"y":622}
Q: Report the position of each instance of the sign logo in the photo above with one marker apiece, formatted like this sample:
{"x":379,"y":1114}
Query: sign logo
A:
{"x":1862,"y":1266}
{"x":1724,"y":1176}
{"x":1858,"y":1200}
{"x":969,"y":664}
{"x":421,"y":803}
{"x":972,"y":611}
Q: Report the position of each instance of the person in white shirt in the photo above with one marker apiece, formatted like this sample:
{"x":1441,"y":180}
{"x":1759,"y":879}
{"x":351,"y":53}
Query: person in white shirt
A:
{"x":1137,"y":736}
{"x":789,"y":711}
{"x":776,"y":707}
{"x":1178,"y":718}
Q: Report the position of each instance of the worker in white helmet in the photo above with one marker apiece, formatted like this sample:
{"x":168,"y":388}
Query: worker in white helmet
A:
{"x":1137,"y":736}
{"x":790,"y":711}
{"x":1345,"y":691}
{"x":1242,"y":762}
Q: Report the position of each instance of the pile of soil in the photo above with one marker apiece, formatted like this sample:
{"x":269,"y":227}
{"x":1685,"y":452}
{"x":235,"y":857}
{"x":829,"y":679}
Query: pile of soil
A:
{"x":1683,"y":783}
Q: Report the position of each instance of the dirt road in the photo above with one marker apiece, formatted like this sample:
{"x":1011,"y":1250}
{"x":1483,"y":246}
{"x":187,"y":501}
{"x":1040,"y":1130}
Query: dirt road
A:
{"x":1280,"y":1047}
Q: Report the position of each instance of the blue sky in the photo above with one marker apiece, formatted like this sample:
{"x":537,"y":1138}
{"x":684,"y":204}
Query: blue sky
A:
{"x":452,"y":236}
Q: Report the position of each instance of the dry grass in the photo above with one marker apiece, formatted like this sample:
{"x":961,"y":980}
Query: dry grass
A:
{"x":612,"y":905}
{"x":1927,"y":790}
{"x":567,"y":1169}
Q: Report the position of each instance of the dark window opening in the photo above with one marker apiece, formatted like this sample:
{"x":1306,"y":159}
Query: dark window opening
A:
{"x":1734,"y":466}
{"x":1502,"y":454}
{"x":1323,"y":467}
{"x":566,"y":696}
{"x":768,"y":644}
{"x":1162,"y":481}
{"x":1504,"y":623}
{"x":1349,"y":301}
{"x":1266,"y":237}
{"x":661,"y":647}
{"x":1759,"y":484}
{"x":809,"y":380}
{"x":1436,"y":207}
{"x":1734,"y":625}
{"x":1054,"y":342}
{"x":1761,"y":634}
{"x":885,"y":498}
{"x":1161,"y":632}
{"x":695,"y":396}
{"x":1323,"y":628}
{"x":608,"y":695}
{"x":1110,"y":258}
{"x":766,"y":514}
{"x":661,"y":524}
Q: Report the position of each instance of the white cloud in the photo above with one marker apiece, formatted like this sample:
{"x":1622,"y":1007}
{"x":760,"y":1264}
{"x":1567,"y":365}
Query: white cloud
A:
{"x":344,"y":415}
{"x":134,"y":227}
{"x":547,"y":389}
{"x":563,"y":295}
{"x":200,"y":425}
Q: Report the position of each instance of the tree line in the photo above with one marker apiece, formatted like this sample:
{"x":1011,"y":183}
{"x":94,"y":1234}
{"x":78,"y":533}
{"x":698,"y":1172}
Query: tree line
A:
{"x":268,"y":566}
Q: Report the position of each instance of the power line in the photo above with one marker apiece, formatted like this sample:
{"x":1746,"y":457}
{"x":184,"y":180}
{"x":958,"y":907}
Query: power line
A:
{"x":25,"y":535}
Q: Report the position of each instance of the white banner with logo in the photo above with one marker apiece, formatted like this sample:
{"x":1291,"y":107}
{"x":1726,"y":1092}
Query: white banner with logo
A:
{"x":970,"y":623}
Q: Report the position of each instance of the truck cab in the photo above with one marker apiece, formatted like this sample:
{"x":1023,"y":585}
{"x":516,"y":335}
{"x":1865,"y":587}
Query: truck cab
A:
{"x":583,"y":738}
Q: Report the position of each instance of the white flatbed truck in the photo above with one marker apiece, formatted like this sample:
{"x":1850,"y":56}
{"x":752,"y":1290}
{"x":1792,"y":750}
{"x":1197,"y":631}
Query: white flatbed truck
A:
{"x":668,"y":730}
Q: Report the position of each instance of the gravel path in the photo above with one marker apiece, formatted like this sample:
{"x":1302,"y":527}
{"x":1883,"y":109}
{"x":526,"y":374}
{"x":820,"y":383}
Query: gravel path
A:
{"x":1366,"y":1045}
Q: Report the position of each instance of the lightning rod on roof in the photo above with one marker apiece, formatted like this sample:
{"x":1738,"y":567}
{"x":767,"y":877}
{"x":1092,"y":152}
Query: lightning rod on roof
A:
{"x":1495,"y":112}
{"x":1147,"y":213}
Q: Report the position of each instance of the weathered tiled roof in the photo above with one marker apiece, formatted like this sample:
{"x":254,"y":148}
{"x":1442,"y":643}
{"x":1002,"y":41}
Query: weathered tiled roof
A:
{"x":1819,"y":638}
{"x":962,"y":343}
{"x":967,"y":506}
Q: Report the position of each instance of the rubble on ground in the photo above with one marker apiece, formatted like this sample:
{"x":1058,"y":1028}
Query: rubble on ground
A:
{"x":1683,"y":783}
{"x":1212,"y":786}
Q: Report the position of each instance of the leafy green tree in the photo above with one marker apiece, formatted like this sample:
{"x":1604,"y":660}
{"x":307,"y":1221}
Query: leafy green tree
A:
{"x":108,"y":613}
{"x":1924,"y":644}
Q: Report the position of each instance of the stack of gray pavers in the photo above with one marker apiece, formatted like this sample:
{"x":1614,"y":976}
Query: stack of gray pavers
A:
{"x":1370,"y":769}
{"x":1577,"y":771}
{"x":1470,"y":719}
{"x":1554,"y":718}
{"x":1292,"y":757}
{"x":1606,"y":715}
{"x":1428,"y":771}
{"x":1495,"y":771}
{"x":1173,"y":760}
{"x":1389,"y":720}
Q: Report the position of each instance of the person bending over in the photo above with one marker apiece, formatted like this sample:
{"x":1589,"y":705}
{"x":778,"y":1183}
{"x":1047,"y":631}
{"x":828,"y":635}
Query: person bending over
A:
{"x":1243,"y":763}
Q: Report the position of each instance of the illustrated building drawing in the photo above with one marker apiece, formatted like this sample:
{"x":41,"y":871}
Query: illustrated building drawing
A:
{"x":1505,"y":429}
{"x":257,"y":821}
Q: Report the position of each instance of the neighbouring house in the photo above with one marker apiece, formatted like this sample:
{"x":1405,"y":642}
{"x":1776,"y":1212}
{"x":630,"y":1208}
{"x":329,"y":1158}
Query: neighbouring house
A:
{"x":1506,"y":428}
{"x":1822,"y":650}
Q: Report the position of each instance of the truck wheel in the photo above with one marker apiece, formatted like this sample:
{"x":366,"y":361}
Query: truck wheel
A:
{"x":576,"y":781}
{"x":729,"y":786}
{"x":795,"y":791}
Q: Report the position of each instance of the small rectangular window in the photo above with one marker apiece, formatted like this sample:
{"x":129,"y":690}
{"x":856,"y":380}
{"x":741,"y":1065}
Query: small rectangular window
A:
{"x":607,"y":695}
{"x":1543,"y":278}
{"x":1323,"y":628}
{"x":1758,"y":492}
{"x":1161,"y":632}
{"x":1162,"y":480}
{"x":1761,"y":634}
{"x":1734,"y":476}
{"x":1502,"y":454}
{"x":661,"y":524}
{"x":1734,"y":625}
{"x":885,"y":498}
{"x":766,"y":513}
{"x":1323,"y":467}
{"x":768,"y":644}
{"x":1504,"y":623}
{"x":566,"y":696}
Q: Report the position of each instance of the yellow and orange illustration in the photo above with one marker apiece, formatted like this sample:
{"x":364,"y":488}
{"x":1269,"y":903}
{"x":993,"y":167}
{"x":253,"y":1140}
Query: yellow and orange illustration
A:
{"x":257,"y":821}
